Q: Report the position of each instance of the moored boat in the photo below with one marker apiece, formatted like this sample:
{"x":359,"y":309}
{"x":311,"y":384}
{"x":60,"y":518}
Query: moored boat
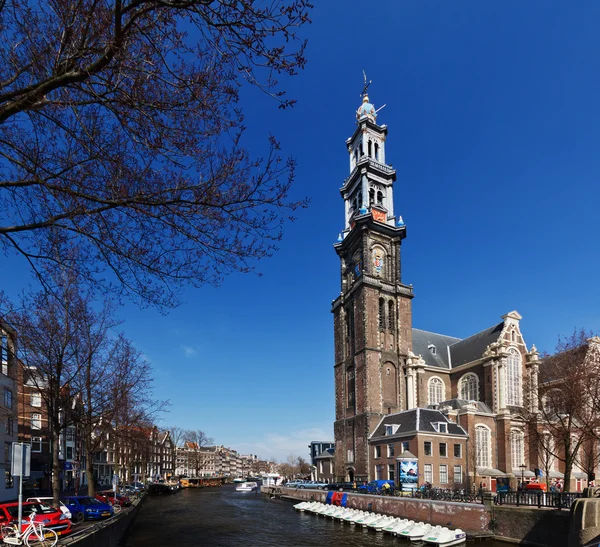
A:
{"x":246,"y":487}
{"x":445,"y":537}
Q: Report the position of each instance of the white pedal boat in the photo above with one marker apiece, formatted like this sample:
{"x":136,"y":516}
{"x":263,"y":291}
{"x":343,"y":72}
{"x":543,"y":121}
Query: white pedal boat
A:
{"x":445,"y":537}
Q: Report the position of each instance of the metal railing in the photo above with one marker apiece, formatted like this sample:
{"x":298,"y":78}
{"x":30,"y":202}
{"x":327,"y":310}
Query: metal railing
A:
{"x":460,"y":495}
{"x":557,"y":500}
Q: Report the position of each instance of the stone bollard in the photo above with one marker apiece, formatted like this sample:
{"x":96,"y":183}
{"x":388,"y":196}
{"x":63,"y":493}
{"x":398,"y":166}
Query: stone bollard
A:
{"x":585,"y":523}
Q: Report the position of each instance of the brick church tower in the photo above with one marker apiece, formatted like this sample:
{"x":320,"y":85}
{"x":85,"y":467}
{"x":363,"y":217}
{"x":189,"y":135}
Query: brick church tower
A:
{"x":372,"y":314}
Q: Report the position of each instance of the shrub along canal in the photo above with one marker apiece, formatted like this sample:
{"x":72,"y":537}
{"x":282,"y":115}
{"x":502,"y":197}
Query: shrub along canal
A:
{"x":224,"y":517}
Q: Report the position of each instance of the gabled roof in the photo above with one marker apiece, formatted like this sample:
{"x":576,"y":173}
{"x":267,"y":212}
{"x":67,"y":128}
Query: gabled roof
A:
{"x":472,"y":348}
{"x":419,"y":420}
{"x":461,"y":351}
{"x":421,"y":342}
{"x":327,"y":454}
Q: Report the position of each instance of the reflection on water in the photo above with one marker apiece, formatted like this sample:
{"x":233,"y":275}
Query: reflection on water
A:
{"x":224,"y":517}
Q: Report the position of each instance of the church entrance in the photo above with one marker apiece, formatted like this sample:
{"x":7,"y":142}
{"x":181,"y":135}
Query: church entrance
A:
{"x":351,"y":475}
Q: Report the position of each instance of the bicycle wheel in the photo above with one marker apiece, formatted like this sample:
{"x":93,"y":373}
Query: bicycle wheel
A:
{"x":48,"y":539}
{"x":8,"y":531}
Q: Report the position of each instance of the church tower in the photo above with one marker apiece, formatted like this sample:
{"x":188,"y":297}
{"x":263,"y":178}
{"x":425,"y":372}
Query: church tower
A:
{"x":372,"y":314}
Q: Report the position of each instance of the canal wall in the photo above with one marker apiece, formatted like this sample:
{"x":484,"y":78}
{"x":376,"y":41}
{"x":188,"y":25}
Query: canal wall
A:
{"x":470,"y":517}
{"x":525,"y":526}
{"x":531,"y":526}
{"x":108,"y":533}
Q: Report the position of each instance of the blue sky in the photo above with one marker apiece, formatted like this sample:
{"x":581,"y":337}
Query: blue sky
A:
{"x":494,"y":125}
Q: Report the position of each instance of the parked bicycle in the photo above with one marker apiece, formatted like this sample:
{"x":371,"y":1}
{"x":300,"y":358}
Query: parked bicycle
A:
{"x":34,"y":535}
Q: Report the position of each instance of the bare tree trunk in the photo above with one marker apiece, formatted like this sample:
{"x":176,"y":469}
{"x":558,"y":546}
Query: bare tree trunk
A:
{"x":55,"y":470}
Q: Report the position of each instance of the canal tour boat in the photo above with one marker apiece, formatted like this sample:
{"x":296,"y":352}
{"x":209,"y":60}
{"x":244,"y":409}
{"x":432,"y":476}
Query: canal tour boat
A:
{"x":246,"y":487}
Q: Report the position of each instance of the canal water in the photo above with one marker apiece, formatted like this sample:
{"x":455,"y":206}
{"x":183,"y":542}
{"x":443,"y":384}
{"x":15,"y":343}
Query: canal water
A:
{"x":222,"y":517}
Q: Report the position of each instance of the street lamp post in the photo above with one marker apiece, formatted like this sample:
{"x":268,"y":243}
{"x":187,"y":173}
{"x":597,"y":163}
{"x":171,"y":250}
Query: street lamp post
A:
{"x":523,"y":467}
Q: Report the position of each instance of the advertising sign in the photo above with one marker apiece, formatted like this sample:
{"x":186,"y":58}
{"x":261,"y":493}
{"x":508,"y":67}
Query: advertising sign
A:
{"x":408,"y":472}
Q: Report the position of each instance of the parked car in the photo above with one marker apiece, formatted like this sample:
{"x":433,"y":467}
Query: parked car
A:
{"x":341,"y":486}
{"x":108,"y":496}
{"x":294,"y":483}
{"x":313,"y":484}
{"x":138,"y":486}
{"x":88,"y":508}
{"x":48,"y":516}
{"x":375,"y":486}
{"x":49,"y":502}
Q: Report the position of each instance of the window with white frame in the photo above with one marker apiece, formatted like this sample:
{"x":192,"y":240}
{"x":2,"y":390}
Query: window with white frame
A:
{"x":517,"y":448}
{"x":390,"y":471}
{"x":379,"y":472}
{"x":36,"y":444}
{"x":36,"y":421}
{"x":513,"y":377}
{"x":7,"y":398}
{"x":390,"y":450}
{"x":350,"y":455}
{"x":457,"y":474}
{"x":443,"y":474}
{"x":483,"y":446}
{"x":468,"y":387}
{"x":443,"y":450}
{"x":428,"y":472}
{"x":36,"y":400}
{"x":437,"y":390}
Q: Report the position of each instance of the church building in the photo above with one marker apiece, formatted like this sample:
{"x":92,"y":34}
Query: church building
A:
{"x":401,"y":391}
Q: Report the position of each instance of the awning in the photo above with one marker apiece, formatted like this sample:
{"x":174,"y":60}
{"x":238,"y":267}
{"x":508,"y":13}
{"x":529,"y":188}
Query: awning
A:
{"x":578,"y":475}
{"x":490,"y":472}
{"x":524,"y":473}
{"x":556,"y":475}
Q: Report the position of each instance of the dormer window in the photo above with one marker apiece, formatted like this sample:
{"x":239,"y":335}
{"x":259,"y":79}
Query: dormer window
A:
{"x":440,"y":427}
{"x":432,"y":349}
{"x":391,"y":429}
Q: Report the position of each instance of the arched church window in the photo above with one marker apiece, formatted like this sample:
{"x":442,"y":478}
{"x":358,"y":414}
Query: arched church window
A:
{"x":517,"y":448}
{"x":391,"y":316}
{"x":513,"y":378}
{"x":371,"y":196}
{"x":381,"y":314}
{"x":483,"y":446}
{"x":369,"y":147}
{"x":377,"y":151}
{"x":362,"y":152}
{"x":468,"y":387}
{"x":437,"y":390}
{"x":379,"y":198}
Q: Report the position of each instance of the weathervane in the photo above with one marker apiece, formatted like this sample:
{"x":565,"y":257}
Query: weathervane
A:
{"x":367,"y":84}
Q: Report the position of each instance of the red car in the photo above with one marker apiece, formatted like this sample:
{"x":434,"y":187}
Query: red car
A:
{"x":108,"y":496}
{"x":48,"y":516}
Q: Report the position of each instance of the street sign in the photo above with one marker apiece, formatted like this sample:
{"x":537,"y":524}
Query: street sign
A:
{"x":21,"y":460}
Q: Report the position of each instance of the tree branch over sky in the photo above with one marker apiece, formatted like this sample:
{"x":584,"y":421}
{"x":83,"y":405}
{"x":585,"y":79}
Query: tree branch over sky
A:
{"x":120,"y":135}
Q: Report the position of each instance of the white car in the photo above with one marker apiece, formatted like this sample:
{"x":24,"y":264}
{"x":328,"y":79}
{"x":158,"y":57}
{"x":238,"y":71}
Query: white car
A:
{"x":49,"y":502}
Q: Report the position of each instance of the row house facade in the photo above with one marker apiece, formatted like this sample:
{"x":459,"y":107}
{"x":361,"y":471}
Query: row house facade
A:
{"x":8,"y":408}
